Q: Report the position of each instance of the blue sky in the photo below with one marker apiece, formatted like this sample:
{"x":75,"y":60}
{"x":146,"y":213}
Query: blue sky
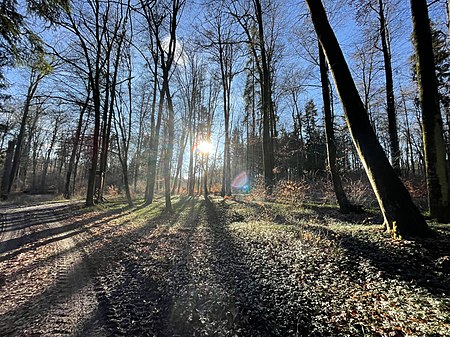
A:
{"x":348,"y":32}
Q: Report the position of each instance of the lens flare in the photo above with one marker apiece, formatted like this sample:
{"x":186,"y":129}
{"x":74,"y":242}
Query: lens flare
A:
{"x":241,"y":181}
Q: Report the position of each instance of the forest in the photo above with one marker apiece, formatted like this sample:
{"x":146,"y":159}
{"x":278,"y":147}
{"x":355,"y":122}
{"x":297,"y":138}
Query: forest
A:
{"x":225,"y":168}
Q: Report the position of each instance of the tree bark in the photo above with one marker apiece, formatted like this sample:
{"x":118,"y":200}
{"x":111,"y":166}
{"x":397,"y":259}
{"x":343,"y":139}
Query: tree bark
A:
{"x":153,"y":155}
{"x":95,"y":145}
{"x":47,"y":158}
{"x":182,"y":147}
{"x":390,"y":100}
{"x":268,"y":156}
{"x":401,"y":217}
{"x":169,"y":147}
{"x":342,"y":200}
{"x":73,"y":154}
{"x":7,"y":169}
{"x":35,"y":78}
{"x":433,"y":139}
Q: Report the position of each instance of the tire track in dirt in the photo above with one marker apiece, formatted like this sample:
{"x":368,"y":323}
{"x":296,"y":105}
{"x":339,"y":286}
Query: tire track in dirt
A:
{"x":54,"y":303}
{"x":71,"y":303}
{"x":136,"y":288}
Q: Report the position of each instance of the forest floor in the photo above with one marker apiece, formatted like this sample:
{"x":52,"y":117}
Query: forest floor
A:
{"x":232,"y":267}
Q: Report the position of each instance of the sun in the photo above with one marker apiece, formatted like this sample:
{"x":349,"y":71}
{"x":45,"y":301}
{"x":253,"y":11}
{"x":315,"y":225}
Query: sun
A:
{"x":180,"y":56}
{"x":205,"y":147}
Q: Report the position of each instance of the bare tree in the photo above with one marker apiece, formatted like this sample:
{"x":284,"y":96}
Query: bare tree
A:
{"x":98,"y":27}
{"x":380,"y":8}
{"x":401,"y":216}
{"x":123,"y":120}
{"x":75,"y":148}
{"x":37,"y":74}
{"x":250,"y":16}
{"x":57,"y":121}
{"x":157,"y":15}
{"x":341,"y":197}
{"x":220,"y":40}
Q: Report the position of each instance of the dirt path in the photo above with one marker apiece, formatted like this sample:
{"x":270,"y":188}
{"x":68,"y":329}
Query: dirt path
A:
{"x":46,"y":288}
{"x":67,"y":272}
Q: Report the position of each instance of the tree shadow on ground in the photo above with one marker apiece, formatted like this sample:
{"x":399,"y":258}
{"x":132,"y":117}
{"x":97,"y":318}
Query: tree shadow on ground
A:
{"x":46,"y":236}
{"x":258,"y":310}
{"x":424,"y":261}
{"x":312,"y":212}
{"x":13,"y":221}
{"x":81,"y":274}
{"x":142,"y":302}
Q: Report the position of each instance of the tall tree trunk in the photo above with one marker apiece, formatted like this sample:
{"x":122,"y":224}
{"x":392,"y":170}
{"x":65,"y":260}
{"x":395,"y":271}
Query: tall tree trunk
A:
{"x":95,"y":147}
{"x":225,"y":59}
{"x":7,"y":169}
{"x":265,"y":82}
{"x":433,"y":139}
{"x":140,"y":142}
{"x":154,"y":147}
{"x":182,"y":147}
{"x":123,"y":154}
{"x":226,"y":181}
{"x":409,"y":144}
{"x":25,"y":155}
{"x":35,"y":78}
{"x":94,"y":79}
{"x":192,"y":137}
{"x":152,"y":153}
{"x":390,"y":100}
{"x":49,"y":152}
{"x":401,"y":216}
{"x":342,"y":200}
{"x":169,"y":148}
{"x":106,"y":135}
{"x":73,"y":154}
{"x":205,"y":175}
{"x":78,"y":154}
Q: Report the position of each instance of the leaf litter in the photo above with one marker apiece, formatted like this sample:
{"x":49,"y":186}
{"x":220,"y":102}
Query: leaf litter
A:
{"x":238,"y":268}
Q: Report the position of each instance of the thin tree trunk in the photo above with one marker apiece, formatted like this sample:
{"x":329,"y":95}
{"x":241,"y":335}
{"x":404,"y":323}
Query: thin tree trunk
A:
{"x":76,"y":142}
{"x":169,"y":148}
{"x":390,"y":100}
{"x":152,"y":153}
{"x":433,"y":140}
{"x":95,"y":149}
{"x":140,"y":141}
{"x":192,"y":136}
{"x":343,"y":202}
{"x":25,"y":155}
{"x":408,"y":138}
{"x":7,"y":169}
{"x":401,"y":216}
{"x":182,"y":147}
{"x":153,"y":157}
{"x":49,"y":152}
{"x":19,"y":143}
{"x":265,"y":82}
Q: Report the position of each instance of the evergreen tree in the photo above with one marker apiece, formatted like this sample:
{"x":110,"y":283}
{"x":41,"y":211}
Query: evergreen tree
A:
{"x":315,"y":150}
{"x":17,"y":39}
